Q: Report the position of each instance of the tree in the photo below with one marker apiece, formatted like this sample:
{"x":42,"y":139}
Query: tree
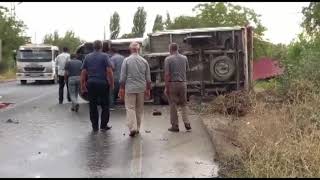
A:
{"x":158,"y":24}
{"x":168,"y":21}
{"x":11,"y":34}
{"x":114,"y":25}
{"x":127,"y":36}
{"x":69,"y":40}
{"x":139,"y":22}
{"x":311,"y":22}
{"x":182,"y":22}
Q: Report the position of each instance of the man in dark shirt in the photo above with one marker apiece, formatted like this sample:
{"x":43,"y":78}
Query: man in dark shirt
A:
{"x":72,"y":74}
{"x":97,"y":80}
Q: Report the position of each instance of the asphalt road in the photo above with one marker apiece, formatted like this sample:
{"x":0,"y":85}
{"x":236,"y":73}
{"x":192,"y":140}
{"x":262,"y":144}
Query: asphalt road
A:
{"x":46,"y":139}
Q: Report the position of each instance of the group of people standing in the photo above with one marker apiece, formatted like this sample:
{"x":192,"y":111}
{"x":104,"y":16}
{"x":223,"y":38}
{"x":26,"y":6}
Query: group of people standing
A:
{"x":105,"y":76}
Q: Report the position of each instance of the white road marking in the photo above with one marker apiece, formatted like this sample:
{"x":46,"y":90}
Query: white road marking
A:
{"x":136,"y":162}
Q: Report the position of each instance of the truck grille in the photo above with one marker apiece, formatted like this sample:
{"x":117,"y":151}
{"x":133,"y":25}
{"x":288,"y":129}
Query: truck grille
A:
{"x":37,"y":69}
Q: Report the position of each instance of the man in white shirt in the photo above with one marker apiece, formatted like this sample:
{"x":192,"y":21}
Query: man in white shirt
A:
{"x":135,"y":84}
{"x":61,"y":60}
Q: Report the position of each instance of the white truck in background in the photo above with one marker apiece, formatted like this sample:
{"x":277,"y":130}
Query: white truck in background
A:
{"x":36,"y":62}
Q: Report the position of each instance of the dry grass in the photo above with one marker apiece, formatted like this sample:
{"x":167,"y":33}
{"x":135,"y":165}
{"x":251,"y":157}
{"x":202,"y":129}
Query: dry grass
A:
{"x":7,"y":75}
{"x":279,"y":137}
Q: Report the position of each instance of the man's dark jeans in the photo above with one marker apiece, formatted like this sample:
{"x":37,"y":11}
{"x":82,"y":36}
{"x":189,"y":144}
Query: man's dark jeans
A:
{"x":98,"y":93}
{"x":114,"y":94}
{"x":61,"y":89}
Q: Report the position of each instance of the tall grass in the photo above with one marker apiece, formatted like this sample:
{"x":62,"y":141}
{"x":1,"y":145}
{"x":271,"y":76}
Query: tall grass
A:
{"x":280,"y":135}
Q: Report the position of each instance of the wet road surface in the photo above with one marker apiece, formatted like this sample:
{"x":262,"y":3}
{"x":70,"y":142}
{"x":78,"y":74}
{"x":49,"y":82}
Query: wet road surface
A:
{"x":48,"y":140}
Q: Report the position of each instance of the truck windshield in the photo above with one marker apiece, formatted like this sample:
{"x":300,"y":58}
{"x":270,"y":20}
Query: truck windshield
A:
{"x":34,"y":55}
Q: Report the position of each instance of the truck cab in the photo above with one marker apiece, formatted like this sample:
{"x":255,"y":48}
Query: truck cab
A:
{"x":36,"y":62}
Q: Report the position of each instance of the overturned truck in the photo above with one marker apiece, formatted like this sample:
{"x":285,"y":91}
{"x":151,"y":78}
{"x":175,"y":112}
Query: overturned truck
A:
{"x":220,"y":59}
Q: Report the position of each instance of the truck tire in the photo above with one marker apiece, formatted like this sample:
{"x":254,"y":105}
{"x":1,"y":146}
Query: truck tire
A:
{"x":156,"y":100}
{"x":23,"y":82}
{"x":159,"y":98}
{"x":222,"y":68}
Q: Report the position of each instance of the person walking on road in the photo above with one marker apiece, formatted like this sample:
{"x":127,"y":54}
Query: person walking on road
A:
{"x":175,"y":68}
{"x":61,"y":61}
{"x":97,"y":80}
{"x":72,"y":74}
{"x":116,"y":60}
{"x":135,"y":84}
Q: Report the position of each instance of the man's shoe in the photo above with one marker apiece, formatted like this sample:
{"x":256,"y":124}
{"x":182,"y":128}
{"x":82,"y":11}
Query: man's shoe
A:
{"x":72,"y":109}
{"x":60,"y":102}
{"x":95,"y":129}
{"x":111,"y":109}
{"x":132,"y":133}
{"x":106,"y":128}
{"x":173,"y":129}
{"x":188,"y":127}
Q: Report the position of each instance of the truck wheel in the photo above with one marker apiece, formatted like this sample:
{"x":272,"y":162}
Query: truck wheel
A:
{"x":222,"y":68}
{"x":23,"y":81}
{"x":156,"y":100}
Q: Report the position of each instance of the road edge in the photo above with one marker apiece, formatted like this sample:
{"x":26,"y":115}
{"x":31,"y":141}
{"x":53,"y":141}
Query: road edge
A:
{"x":203,"y":124}
{"x":6,"y":81}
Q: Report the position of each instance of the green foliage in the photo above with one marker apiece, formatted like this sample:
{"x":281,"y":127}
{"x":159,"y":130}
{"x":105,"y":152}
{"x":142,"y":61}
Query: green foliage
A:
{"x":311,"y":21}
{"x":184,"y":22}
{"x":11,"y":31}
{"x":226,"y":14}
{"x":69,"y":40}
{"x":267,"y":49}
{"x":158,"y":25}
{"x":168,"y":21}
{"x":127,"y":36}
{"x":114,"y":25}
{"x":139,"y":22}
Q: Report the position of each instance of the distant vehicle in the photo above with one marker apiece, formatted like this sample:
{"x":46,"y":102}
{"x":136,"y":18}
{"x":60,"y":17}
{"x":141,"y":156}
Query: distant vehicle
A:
{"x":220,"y":59}
{"x":36,"y":62}
{"x":121,"y":45}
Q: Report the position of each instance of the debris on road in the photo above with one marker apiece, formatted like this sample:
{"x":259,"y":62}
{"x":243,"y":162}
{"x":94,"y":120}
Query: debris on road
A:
{"x":164,"y":139}
{"x":11,"y":121}
{"x":156,"y":112}
{"x":147,"y":131}
{"x":198,"y":162}
{"x":4,"y":105}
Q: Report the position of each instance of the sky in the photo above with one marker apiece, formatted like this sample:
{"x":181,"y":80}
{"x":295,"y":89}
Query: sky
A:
{"x":88,"y":20}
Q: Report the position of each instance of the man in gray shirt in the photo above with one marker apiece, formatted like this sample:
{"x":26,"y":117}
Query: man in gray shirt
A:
{"x":135,"y":83}
{"x":72,"y":74}
{"x":116,"y":60}
{"x":175,"y":68}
